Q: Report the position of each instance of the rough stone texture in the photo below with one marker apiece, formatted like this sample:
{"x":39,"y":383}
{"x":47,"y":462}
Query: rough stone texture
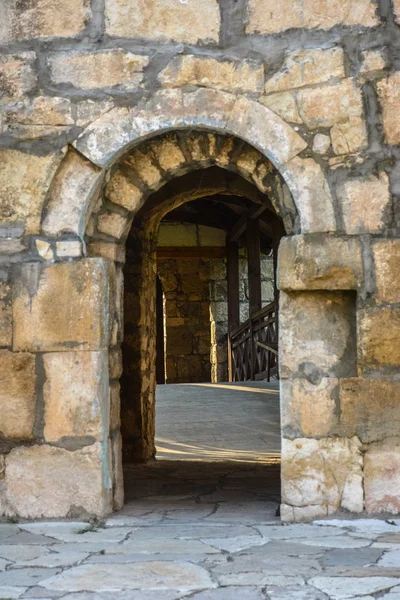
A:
{"x":378,"y":337}
{"x":307,"y":67}
{"x":17,"y":395}
{"x":266,"y":18}
{"x":24,"y":181}
{"x":69,"y":196}
{"x":123,"y":192}
{"x":113,"y":224}
{"x":42,"y":116}
{"x":228,"y":75}
{"x":44,"y":480}
{"x":69,"y":249}
{"x":76,"y":395}
{"x":283,"y":104}
{"x":328,"y":105}
{"x":365,"y":204}
{"x":369,"y":408}
{"x":309,"y":410}
{"x":321,"y":143}
{"x":5,"y":315}
{"x":372,"y":60}
{"x":104,"y":69}
{"x":318,"y":262}
{"x":43,"y":19}
{"x":322,"y":472}
{"x":192,"y":22}
{"x":387,"y":274}
{"x":389,"y":97}
{"x":61,"y":306}
{"x":382,"y":476}
{"x":317,"y":334}
{"x":17,"y":75}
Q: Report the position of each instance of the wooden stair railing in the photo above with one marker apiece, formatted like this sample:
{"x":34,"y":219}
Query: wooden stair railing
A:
{"x":253,"y":347}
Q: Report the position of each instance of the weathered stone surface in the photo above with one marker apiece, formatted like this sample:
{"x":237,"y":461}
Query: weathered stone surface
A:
{"x":350,"y":136}
{"x":347,"y":587}
{"x":61,"y":306}
{"x":113,"y":224}
{"x":17,"y":75}
{"x":69,"y":249}
{"x":147,"y":171}
{"x":69,"y":196}
{"x":389,"y":97}
{"x":372,"y":60}
{"x":321,"y":143}
{"x":309,"y":410}
{"x":168,"y":154}
{"x":44,"y":480}
{"x":115,"y":406}
{"x":387,"y":273}
{"x":154,"y":575}
{"x":43,"y":19}
{"x":307,"y":67}
{"x":5,"y":315}
{"x":319,"y":262}
{"x":43,"y":110}
{"x":192,"y":22}
{"x":103,"y":69}
{"x":311,"y":195}
{"x":267,"y":18}
{"x":24,"y":181}
{"x":115,"y":363}
{"x":369,"y":408}
{"x":44,"y":249}
{"x":382,"y":476}
{"x":118,"y":474}
{"x":379,"y":337}
{"x":89,"y":110}
{"x":231,"y":75}
{"x":327,"y":105}
{"x":76,"y":395}
{"x":283,"y":104}
{"x":17,"y":394}
{"x":396,"y":9}
{"x":322,"y":472}
{"x":321,"y":340}
{"x":365,"y":204}
{"x":108,"y":250}
{"x":122,"y":191}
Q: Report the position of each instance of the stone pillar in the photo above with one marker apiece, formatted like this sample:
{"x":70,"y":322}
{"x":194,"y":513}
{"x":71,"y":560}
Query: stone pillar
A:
{"x":56,"y":450}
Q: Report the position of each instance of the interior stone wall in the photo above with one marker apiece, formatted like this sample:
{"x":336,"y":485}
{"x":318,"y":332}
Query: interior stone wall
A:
{"x":301,"y":99}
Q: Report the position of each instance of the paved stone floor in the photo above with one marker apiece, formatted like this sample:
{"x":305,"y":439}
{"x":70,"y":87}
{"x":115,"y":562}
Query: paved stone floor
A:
{"x":201,"y":531}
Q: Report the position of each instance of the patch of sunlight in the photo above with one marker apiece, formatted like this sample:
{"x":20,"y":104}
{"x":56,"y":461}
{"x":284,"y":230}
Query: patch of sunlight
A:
{"x":237,"y":388}
{"x":168,"y":449}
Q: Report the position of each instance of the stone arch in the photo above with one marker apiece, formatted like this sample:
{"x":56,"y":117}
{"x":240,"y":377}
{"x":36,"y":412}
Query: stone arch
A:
{"x":74,"y":189}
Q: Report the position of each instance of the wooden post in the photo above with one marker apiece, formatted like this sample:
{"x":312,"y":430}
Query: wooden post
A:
{"x":233,"y":297}
{"x":254,"y":264}
{"x":160,"y":358}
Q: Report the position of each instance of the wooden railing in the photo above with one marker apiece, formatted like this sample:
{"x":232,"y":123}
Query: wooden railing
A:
{"x":253,"y":347}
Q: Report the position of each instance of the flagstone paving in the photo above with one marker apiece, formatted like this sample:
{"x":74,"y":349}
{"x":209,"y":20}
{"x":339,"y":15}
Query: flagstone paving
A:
{"x":201,"y":531}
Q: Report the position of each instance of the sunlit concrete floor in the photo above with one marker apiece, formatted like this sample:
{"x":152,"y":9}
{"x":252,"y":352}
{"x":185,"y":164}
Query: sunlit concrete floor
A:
{"x":221,"y":421}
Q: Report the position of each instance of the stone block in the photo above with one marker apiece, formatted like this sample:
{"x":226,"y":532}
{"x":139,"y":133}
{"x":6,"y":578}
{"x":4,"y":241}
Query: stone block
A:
{"x":95,"y":70}
{"x":389,"y":98}
{"x":283,"y":104}
{"x":325,"y":472}
{"x":143,"y":165}
{"x":319,"y":262}
{"x":109,"y":250}
{"x":365,"y":204}
{"x":24,"y":182}
{"x":387,"y":273}
{"x":230,"y":75}
{"x":267,"y":18}
{"x":307,"y":67}
{"x":309,"y":410}
{"x":18,"y":75}
{"x":76,"y":395}
{"x":317,"y":335}
{"x":17,"y":395}
{"x":115,"y":406}
{"x":89,"y":110}
{"x":382,"y":477}
{"x":120,"y":190}
{"x":378,"y":337}
{"x":372,"y":60}
{"x":218,"y":311}
{"x":369,"y":408}
{"x":192,"y":22}
{"x":74,"y":184}
{"x":327,"y":105}
{"x":349,"y":137}
{"x":43,"y":19}
{"x":168,"y":154}
{"x":118,"y":474}
{"x":5,"y":315}
{"x":43,"y":110}
{"x":321,"y":143}
{"x":69,"y":249}
{"x":62,"y":306}
{"x":311,"y":195}
{"x":113,"y":224}
{"x":45,"y":480}
{"x":396,"y":10}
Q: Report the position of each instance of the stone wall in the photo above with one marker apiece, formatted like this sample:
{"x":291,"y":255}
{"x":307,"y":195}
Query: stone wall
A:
{"x":103,"y":104}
